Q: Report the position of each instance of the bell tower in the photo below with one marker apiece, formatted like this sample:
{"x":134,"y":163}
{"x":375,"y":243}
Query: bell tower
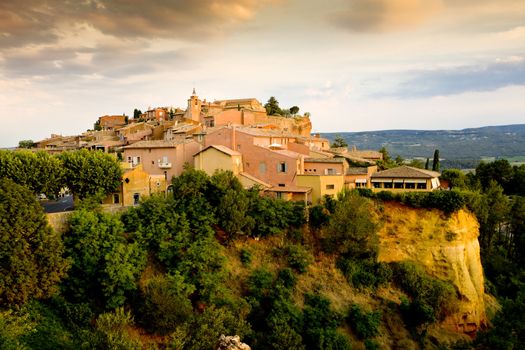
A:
{"x":193,"y":111}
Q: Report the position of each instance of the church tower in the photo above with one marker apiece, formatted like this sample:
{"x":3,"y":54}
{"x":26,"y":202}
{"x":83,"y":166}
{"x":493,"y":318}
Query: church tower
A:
{"x":193,"y":111}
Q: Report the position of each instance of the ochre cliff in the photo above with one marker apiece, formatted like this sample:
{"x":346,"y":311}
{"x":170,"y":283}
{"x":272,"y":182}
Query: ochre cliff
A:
{"x":295,"y":125}
{"x":447,"y":247}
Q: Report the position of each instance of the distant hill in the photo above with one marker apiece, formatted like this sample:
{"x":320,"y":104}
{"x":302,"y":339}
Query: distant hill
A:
{"x":459,"y":148}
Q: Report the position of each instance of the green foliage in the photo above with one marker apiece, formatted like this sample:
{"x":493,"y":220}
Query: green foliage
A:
{"x":294,"y":110}
{"x":165,"y":303}
{"x":13,"y":326}
{"x":339,"y":142}
{"x":113,"y":325}
{"x":351,"y":230}
{"x":365,"y":324}
{"x":272,"y":106}
{"x":365,"y":272}
{"x":90,"y":173}
{"x":298,"y":257}
{"x":431,"y":298}
{"x":246,"y":256}
{"x":455,"y":177}
{"x":320,"y":324}
{"x":38,"y":171}
{"x":272,"y":216}
{"x":26,"y":144}
{"x":105,"y":266}
{"x":136,"y":113}
{"x":435,"y":162}
{"x":31,"y":262}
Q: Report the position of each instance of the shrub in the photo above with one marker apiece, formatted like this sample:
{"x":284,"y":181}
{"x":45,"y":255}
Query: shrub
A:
{"x":113,"y":325}
{"x":298,"y":257}
{"x":246,"y":256}
{"x":365,"y":324}
{"x":365,"y":272}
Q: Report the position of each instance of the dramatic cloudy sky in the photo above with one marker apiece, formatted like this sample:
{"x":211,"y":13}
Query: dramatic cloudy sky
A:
{"x":353,"y":64}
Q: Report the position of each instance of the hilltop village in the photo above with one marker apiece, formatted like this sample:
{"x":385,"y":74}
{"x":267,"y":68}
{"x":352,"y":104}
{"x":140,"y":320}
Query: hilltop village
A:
{"x":277,"y":153}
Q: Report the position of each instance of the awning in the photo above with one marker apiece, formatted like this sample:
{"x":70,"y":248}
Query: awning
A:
{"x":381,"y":180}
{"x":399,"y":181}
{"x":361,"y":181}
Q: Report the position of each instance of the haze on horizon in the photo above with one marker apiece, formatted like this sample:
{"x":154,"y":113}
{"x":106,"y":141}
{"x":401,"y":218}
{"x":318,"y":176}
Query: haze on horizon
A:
{"x":354,"y":65}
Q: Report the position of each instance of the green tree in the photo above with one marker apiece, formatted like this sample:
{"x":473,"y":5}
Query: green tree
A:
{"x":105,"y":266}
{"x":339,"y":141}
{"x":498,"y":209}
{"x":26,"y":144}
{"x":136,"y":113}
{"x":31,"y":261}
{"x":90,"y":173}
{"x":416,"y":163}
{"x":294,"y":110}
{"x":38,"y":171}
{"x":427,"y":164}
{"x":435,"y":162}
{"x":455,"y":177}
{"x":272,"y":106}
{"x":351,"y":230}
{"x":500,"y":171}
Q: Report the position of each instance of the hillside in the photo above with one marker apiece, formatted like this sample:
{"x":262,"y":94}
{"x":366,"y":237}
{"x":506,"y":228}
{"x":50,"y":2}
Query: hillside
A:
{"x":467,"y":145}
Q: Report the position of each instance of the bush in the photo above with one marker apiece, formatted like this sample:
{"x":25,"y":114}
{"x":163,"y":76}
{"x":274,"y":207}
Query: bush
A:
{"x":165,"y":303}
{"x":113,"y":325}
{"x":365,"y":324}
{"x":365,"y":272}
{"x":246,"y":256}
{"x":431,"y":298}
{"x":298,"y":257}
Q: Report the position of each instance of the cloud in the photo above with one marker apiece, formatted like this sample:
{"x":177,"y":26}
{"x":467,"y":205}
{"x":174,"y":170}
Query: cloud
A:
{"x":25,"y":22}
{"x":386,"y":15}
{"x":451,"y":81}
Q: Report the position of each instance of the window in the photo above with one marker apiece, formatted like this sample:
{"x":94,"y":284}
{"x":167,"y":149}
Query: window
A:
{"x":238,"y":148}
{"x":422,"y":186}
{"x":279,"y":195}
{"x":165,"y":175}
{"x":330,"y":187}
{"x":281,"y":185}
{"x":377,"y":184}
{"x":330,"y":171}
{"x":152,"y":162}
{"x":410,"y":185}
{"x":262,"y":168}
{"x":165,"y":159}
{"x":116,"y":198}
{"x":136,"y":198}
{"x":387,"y":185}
{"x":360,"y":184}
{"x":282,"y":167}
{"x":398,"y":185}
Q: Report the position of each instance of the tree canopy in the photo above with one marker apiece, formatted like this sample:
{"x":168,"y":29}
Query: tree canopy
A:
{"x":31,"y":261}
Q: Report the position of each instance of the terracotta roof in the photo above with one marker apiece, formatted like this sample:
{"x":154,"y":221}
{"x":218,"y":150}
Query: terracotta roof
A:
{"x":406,"y":172}
{"x":297,"y":189}
{"x":254,"y":179}
{"x":287,"y":153}
{"x":324,"y":160}
{"x":157,"y":144}
{"x":222,"y":149}
{"x":357,"y":171}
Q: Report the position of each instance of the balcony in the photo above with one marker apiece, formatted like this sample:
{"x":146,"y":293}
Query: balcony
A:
{"x":165,"y":165}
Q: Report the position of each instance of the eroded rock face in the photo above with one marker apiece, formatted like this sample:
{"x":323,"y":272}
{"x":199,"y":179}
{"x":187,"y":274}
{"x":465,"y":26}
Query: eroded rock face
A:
{"x":231,"y":343}
{"x":447,"y":247}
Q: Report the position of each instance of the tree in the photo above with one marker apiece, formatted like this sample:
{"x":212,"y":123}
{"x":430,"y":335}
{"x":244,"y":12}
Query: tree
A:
{"x":31,"y":261}
{"x":90,"y":173}
{"x":272,"y":106}
{"x":427,"y":164}
{"x":351,"y":230}
{"x":136,"y":113}
{"x":435,"y":162}
{"x":105,"y":265}
{"x":294,"y":110}
{"x":339,"y":141}
{"x":26,"y":144}
{"x":455,"y":177}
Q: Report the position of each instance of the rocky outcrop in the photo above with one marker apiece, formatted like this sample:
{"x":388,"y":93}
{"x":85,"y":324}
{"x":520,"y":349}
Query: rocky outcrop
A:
{"x":447,"y":247}
{"x":231,"y":343}
{"x":295,"y":125}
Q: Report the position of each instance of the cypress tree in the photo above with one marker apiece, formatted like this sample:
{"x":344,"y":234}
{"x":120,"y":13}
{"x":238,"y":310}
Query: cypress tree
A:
{"x":435,"y":163}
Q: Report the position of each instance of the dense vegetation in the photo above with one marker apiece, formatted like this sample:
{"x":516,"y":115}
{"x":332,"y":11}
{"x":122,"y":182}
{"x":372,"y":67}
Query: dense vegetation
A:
{"x":178,"y":271}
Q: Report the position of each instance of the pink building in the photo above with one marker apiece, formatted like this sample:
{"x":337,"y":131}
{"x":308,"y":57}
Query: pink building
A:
{"x":161,"y":157}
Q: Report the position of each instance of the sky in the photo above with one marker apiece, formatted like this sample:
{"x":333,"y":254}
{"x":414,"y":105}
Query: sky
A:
{"x":354,"y":65}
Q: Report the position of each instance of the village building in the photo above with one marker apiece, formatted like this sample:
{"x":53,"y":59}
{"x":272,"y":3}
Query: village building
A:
{"x":136,"y":184}
{"x":405,"y":178}
{"x":161,"y":157}
{"x":112,"y":122}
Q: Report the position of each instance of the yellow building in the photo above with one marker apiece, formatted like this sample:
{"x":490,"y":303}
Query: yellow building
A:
{"x":136,"y":184}
{"x":321,"y":185}
{"x":218,"y":157}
